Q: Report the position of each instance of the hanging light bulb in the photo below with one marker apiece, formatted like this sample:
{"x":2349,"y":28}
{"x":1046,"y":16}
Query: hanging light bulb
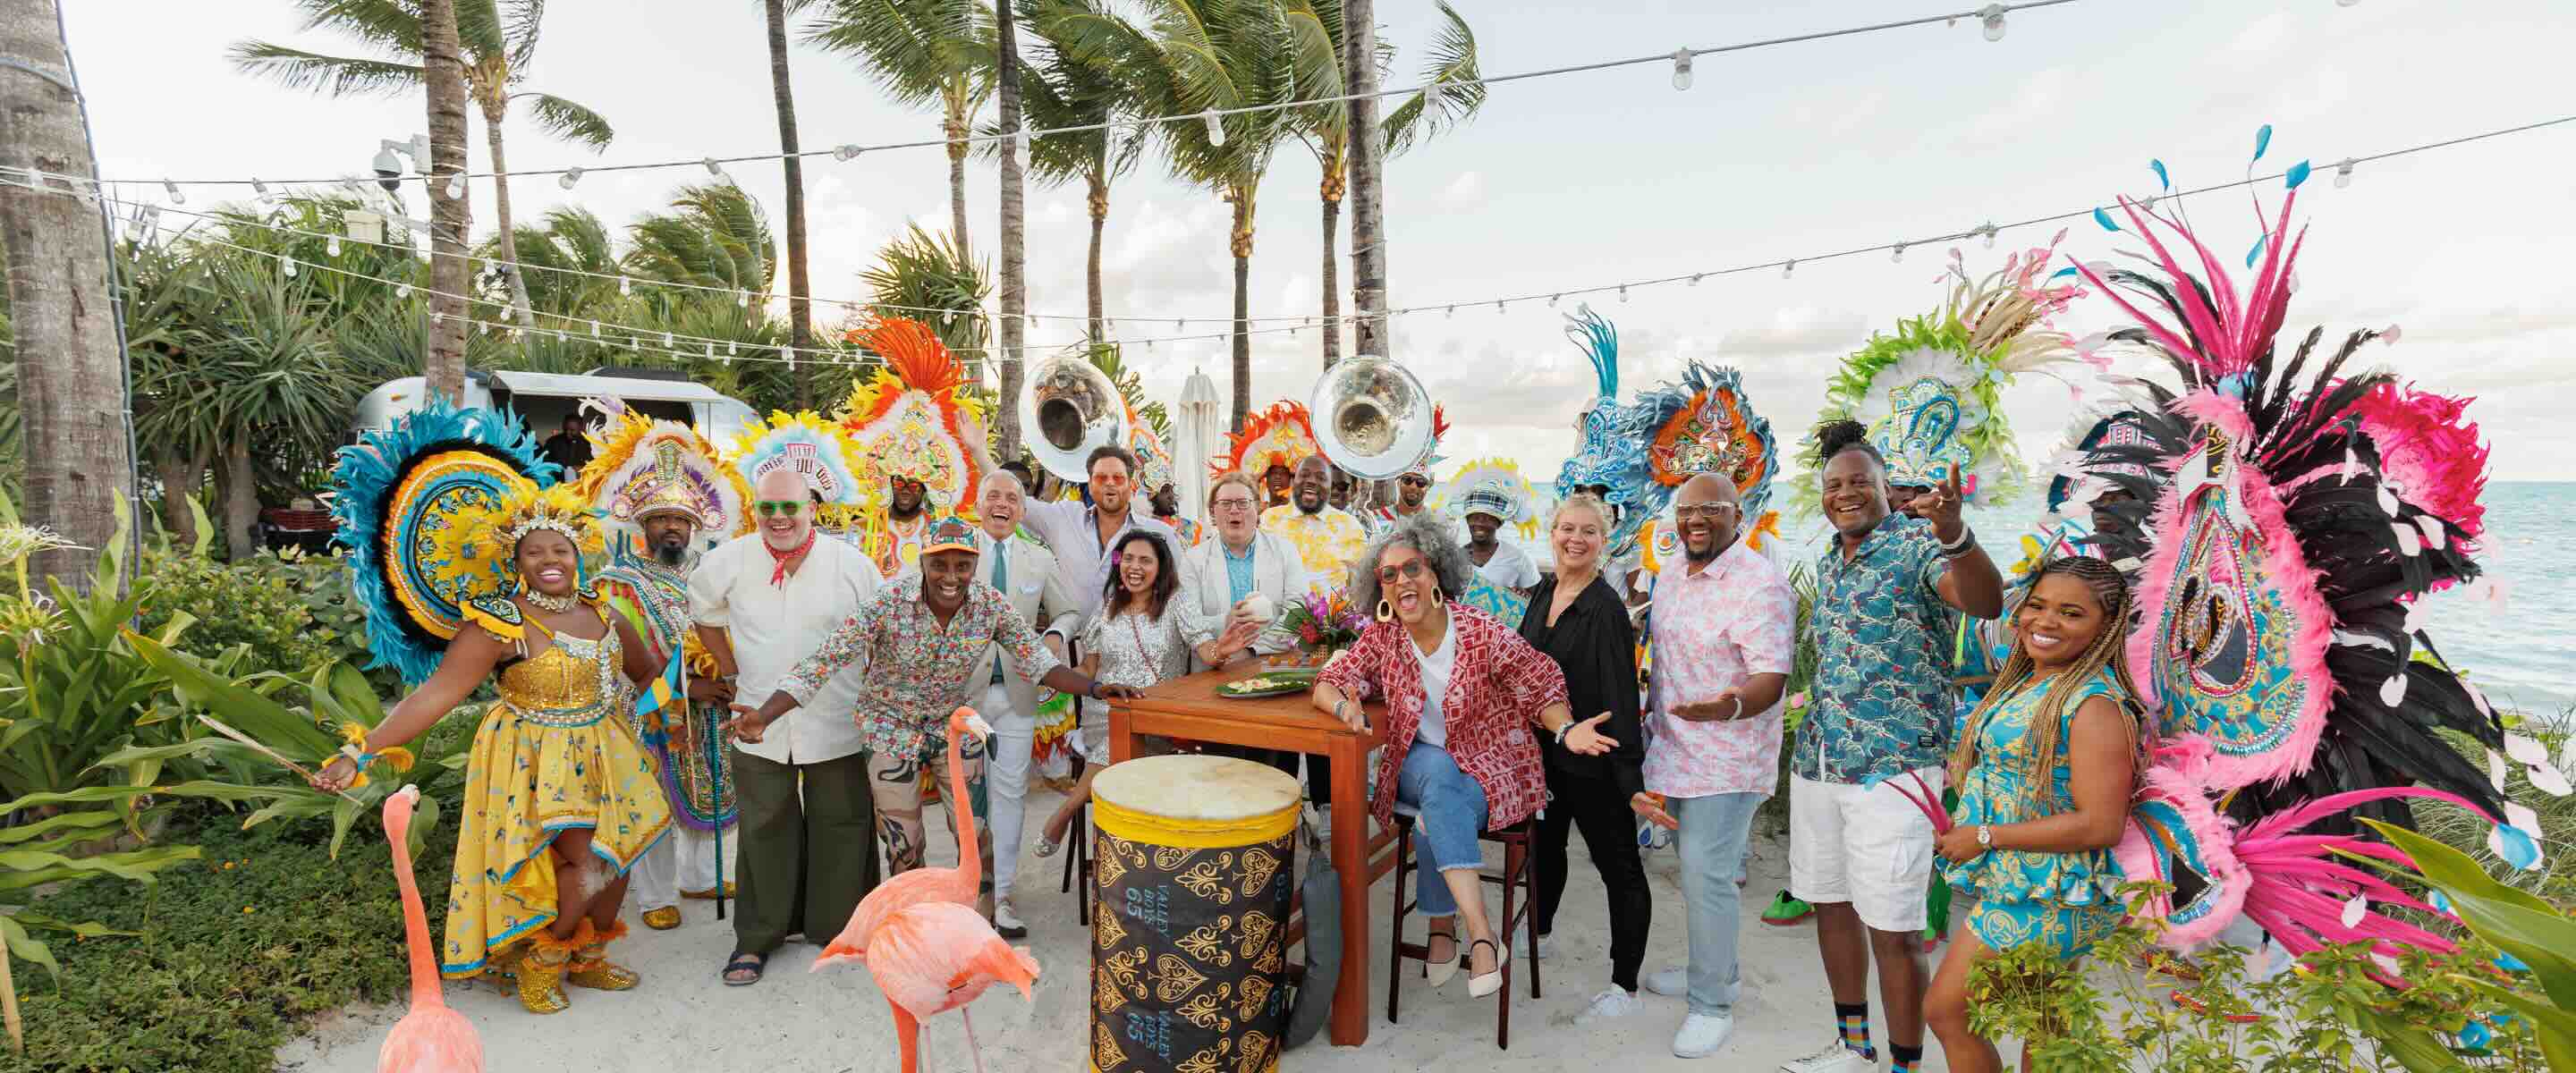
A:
{"x":1989,"y":229}
{"x":668,"y":341}
{"x":625,"y":286}
{"x":847,"y":153}
{"x":1498,"y":307}
{"x":711,"y":348}
{"x":176,"y":198}
{"x":1681,"y":68}
{"x":403,"y":291}
{"x":594,"y":329}
{"x":257,"y":187}
{"x":714,"y":168}
{"x":2343,"y":171}
{"x":1551,"y":300}
{"x":1021,"y":142}
{"x":1215,"y":127}
{"x":1452,"y":314}
{"x":332,"y":247}
{"x":1696,"y":277}
{"x":1623,"y":292}
{"x":456,"y":186}
{"x":729,"y":348}
{"x":742,"y":299}
{"x":437,"y":317}
{"x":290,"y":266}
{"x":571,"y":176}
{"x":1898,"y":255}
{"x":1789,"y":268}
{"x":1993,"y":16}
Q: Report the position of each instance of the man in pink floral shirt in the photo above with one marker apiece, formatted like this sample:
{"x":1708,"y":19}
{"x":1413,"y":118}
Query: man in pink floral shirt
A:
{"x":1723,"y":638}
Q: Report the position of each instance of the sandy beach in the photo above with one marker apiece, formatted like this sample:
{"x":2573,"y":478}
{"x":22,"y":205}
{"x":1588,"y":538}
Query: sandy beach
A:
{"x":835,"y":1021}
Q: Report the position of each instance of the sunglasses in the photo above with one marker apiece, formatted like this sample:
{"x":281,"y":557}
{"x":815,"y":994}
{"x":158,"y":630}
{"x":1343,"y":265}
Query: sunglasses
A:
{"x":779,"y":508}
{"x":1387,"y":575}
{"x":1415,"y":482}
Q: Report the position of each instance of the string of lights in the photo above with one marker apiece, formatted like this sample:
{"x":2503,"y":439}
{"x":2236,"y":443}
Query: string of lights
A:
{"x":1991,"y":17}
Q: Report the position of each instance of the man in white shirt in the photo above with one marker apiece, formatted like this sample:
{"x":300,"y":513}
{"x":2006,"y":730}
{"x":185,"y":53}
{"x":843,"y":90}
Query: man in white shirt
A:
{"x":1487,"y":508}
{"x":1028,"y":580}
{"x":1082,"y":536}
{"x":808,"y":823}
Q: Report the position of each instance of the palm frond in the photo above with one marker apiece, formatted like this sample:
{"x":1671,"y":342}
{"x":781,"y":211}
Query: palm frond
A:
{"x":921,"y":270}
{"x":568,"y":121}
{"x":338,"y":76}
{"x":915,"y":49}
{"x":392,"y":26}
{"x":520,"y":20}
{"x":1452,"y":93}
{"x":482,"y":33}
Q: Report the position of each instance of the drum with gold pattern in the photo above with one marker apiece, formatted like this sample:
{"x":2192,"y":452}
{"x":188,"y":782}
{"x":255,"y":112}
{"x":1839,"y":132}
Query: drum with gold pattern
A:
{"x":1190,"y":936}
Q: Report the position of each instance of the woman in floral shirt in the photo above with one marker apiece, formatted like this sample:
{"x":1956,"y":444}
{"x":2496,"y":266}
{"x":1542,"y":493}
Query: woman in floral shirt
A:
{"x":1462,"y":691}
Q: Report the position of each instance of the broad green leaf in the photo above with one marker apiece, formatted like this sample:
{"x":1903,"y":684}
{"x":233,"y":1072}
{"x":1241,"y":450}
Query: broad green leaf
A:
{"x":206,"y":748}
{"x":424,"y":818}
{"x":2514,"y":920}
{"x":86,"y":824}
{"x":344,"y":813}
{"x":88,"y":928}
{"x":247,"y":711}
{"x":27,"y":948}
{"x":86,"y":795}
{"x":306,"y":806}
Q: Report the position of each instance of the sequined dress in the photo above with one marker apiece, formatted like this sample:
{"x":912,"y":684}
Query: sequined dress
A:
{"x":1134,"y":651}
{"x":2062,"y":899}
{"x":555,"y":754}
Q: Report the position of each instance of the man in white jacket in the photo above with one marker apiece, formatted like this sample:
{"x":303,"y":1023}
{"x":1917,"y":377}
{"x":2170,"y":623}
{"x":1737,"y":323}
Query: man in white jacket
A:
{"x":1218,"y":575}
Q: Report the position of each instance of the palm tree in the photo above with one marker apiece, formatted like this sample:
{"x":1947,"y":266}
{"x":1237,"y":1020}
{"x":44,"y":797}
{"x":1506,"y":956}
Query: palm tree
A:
{"x":922,"y":52}
{"x":1452,"y":95}
{"x":800,"y":309}
{"x":715,"y":236}
{"x":568,"y":253}
{"x":499,"y":39}
{"x":1202,"y":56}
{"x":1059,"y":92}
{"x":921,"y":271}
{"x":1015,"y":287}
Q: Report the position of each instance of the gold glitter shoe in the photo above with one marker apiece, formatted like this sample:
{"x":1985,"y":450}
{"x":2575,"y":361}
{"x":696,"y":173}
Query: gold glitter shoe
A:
{"x":540,"y":973}
{"x":590,"y":966}
{"x":663,"y":919}
{"x":709,"y":893}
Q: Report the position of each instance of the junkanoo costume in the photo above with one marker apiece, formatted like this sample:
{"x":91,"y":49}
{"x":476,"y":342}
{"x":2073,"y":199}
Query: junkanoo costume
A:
{"x":432,"y":511}
{"x":1327,"y":541}
{"x":911,"y":422}
{"x":642,"y":468}
{"x":1494,"y":487}
{"x":806,"y":817}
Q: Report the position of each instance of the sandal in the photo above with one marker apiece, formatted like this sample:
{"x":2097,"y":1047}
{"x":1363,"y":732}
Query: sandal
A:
{"x":1480,"y":985}
{"x":1439,"y":972}
{"x":755,"y":964}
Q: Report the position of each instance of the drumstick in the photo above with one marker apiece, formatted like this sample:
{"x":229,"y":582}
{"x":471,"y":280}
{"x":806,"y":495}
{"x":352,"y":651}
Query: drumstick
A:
{"x":263,"y":750}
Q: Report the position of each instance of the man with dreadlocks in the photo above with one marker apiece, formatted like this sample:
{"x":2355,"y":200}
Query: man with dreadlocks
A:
{"x":1880,"y":710}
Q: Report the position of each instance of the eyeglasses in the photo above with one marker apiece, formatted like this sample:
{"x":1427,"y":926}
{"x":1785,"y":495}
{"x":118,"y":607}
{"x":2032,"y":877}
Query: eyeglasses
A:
{"x":1704,"y":510}
{"x":779,"y":508}
{"x":1234,"y":503}
{"x":1413,"y":568}
{"x":1415,"y":482}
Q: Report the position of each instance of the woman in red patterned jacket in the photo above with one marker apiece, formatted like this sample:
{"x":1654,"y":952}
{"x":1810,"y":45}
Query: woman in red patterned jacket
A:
{"x":1463,"y":692}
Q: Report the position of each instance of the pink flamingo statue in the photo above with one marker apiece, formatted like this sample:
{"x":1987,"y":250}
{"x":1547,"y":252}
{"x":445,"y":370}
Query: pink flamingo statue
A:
{"x":431,"y":1038}
{"x":933,"y":957}
{"x":926,"y":884}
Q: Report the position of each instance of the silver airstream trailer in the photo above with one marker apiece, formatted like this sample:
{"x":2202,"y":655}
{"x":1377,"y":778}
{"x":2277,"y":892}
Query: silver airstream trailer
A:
{"x":543,"y":400}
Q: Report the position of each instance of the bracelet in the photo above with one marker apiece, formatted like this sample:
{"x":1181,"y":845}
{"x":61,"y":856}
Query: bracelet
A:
{"x":1967,"y":542}
{"x":1562,"y":731}
{"x":357,"y":757}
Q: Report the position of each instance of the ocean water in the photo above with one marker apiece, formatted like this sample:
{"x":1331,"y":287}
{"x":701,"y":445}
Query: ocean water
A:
{"x":2519,"y":646}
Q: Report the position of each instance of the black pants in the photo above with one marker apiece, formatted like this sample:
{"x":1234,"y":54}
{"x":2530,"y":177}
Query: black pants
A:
{"x":1610,"y":835}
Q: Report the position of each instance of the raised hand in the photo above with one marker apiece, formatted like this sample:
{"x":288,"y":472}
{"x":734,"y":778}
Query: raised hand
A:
{"x":1940,"y":506}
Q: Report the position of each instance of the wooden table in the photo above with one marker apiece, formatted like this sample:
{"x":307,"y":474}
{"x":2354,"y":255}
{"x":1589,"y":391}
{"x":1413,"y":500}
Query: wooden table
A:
{"x":1189,"y":708}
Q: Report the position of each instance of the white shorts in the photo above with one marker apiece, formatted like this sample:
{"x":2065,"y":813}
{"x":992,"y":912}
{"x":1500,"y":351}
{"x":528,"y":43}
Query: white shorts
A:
{"x":1869,"y":846}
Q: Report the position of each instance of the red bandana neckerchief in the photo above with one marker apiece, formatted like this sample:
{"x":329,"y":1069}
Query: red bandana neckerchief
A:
{"x":778,"y":575}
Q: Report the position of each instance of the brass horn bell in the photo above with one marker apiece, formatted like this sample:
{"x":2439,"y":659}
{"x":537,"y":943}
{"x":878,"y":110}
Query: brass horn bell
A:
{"x":1072,"y":410}
{"x":1372,"y":418}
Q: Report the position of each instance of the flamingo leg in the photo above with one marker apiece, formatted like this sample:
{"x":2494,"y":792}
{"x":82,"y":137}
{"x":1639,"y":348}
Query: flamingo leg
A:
{"x":907,"y":1030}
{"x":974,"y":1049}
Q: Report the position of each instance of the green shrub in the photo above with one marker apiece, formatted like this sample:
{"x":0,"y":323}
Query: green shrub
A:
{"x":236,"y":951}
{"x":259,"y":605}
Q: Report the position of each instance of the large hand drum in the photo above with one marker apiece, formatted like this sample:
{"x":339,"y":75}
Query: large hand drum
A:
{"x":1190,"y":939}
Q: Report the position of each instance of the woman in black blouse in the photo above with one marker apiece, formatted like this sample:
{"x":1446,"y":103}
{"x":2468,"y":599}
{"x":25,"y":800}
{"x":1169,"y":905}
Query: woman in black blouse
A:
{"x":1578,"y":619}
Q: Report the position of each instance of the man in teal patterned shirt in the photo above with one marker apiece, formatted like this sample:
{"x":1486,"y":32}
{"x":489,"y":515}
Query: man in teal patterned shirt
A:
{"x":1879,"y":709}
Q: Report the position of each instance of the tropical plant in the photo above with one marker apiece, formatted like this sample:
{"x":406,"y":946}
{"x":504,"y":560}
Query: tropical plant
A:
{"x":1057,"y":93}
{"x":569,"y":262}
{"x":714,"y":236}
{"x":499,"y":38}
{"x":1453,"y":90}
{"x":1107,"y":358}
{"x":800,"y":310}
{"x":919,"y":272}
{"x":2537,"y":939}
{"x":921,"y":52}
{"x":1194,"y":58}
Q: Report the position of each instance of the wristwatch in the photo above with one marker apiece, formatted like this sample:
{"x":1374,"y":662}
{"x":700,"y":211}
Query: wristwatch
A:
{"x":1985,"y":836}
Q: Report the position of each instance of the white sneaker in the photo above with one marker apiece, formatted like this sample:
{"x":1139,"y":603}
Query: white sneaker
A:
{"x":1671,"y":982}
{"x":1833,"y":1058}
{"x":1546,"y":947}
{"x":1702,"y":1034}
{"x":1006,"y":922}
{"x":1615,"y":1002}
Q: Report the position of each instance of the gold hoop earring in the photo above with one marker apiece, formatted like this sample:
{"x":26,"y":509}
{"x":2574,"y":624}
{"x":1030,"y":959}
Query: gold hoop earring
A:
{"x":1385,"y":610}
{"x":1435,"y":596}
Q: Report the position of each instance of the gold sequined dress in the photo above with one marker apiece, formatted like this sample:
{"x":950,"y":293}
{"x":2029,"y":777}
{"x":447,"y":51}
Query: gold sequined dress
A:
{"x":555,"y":754}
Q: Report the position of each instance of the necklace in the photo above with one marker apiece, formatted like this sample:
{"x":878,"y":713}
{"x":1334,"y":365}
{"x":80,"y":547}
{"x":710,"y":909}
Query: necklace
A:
{"x":556,"y":604}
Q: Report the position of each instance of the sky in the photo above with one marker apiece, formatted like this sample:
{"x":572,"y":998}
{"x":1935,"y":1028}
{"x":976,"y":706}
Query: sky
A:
{"x":1592,"y":179}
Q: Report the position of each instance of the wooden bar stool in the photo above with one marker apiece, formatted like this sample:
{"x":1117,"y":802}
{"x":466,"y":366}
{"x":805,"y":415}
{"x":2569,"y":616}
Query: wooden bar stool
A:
{"x":1518,"y":880}
{"x":1077,"y":859}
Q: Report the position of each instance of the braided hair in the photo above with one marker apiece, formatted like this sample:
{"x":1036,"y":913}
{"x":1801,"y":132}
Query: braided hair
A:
{"x":2117,"y":604}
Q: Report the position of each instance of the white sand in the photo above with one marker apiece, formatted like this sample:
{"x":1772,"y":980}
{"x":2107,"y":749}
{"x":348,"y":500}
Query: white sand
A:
{"x":682,"y":1020}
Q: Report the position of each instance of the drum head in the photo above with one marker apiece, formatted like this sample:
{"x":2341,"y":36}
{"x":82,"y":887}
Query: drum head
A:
{"x":1203,"y":789}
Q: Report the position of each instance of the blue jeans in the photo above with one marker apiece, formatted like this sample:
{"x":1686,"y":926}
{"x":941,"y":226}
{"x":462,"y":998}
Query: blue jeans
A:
{"x":1449,"y":814}
{"x":1711,"y":844}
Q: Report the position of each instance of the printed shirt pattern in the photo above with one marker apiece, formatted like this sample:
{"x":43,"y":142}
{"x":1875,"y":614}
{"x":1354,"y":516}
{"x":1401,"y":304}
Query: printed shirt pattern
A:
{"x":1327,"y":542}
{"x":1881,"y":700}
{"x":923,"y":671}
{"x":1711,"y":633}
{"x":1497,"y":684}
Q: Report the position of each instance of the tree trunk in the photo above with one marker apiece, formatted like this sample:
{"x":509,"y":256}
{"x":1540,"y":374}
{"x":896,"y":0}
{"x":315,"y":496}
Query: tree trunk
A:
{"x":952,"y":129}
{"x":1241,"y":246}
{"x":72,"y":392}
{"x":1332,"y":200}
{"x":181,"y":477}
{"x":1099,"y":223}
{"x":800,"y":306}
{"x":451,"y":218}
{"x":241,"y":500}
{"x":1015,"y":285}
{"x":1368,"y":154}
{"x":527,"y":319}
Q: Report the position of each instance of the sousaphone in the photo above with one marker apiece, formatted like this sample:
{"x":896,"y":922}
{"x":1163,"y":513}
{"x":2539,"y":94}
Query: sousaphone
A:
{"x":1071,"y":410}
{"x":1372,"y":418}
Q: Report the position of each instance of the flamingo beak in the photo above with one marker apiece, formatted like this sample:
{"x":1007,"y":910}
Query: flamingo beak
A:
{"x":976,"y":725}
{"x":410,"y":793}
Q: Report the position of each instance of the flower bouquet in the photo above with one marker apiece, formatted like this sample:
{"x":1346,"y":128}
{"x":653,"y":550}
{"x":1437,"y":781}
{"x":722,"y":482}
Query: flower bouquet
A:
{"x":1324,"y":621}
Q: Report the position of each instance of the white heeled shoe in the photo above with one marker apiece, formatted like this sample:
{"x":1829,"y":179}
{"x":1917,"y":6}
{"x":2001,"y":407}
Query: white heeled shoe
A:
{"x":1439,"y":972}
{"x":1480,"y":985}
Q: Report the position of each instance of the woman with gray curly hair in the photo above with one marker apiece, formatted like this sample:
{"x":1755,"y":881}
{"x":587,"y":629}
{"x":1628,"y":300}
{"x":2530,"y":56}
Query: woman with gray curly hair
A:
{"x":1462,"y":691}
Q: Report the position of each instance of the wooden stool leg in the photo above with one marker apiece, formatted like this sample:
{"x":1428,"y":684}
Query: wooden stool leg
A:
{"x":1529,"y":908}
{"x":1512,"y":864}
{"x":1080,"y":862}
{"x":1395,"y":926}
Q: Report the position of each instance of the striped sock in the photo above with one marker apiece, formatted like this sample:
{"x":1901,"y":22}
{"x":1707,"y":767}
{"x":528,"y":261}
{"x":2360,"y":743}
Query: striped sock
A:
{"x":1853,"y":1022}
{"x":1906,"y":1059}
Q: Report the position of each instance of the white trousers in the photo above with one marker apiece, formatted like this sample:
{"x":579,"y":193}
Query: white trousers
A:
{"x":686,"y":860}
{"x":1006,"y":781}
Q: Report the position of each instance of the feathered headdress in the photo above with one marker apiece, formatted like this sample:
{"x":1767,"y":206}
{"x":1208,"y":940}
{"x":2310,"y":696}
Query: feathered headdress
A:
{"x":642,"y":466}
{"x":1277,"y":436}
{"x":914,"y":418}
{"x":1153,"y":462}
{"x":418,"y":508}
{"x":1931,"y":391}
{"x":1492,"y":486}
{"x":811,"y":446}
{"x":2275,"y":634}
{"x":1646,"y":449}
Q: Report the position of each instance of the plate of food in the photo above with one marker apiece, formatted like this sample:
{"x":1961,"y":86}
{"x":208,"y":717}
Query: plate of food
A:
{"x":1269,"y":683}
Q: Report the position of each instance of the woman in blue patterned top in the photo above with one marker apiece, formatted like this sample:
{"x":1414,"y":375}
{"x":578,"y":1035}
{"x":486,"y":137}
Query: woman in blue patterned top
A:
{"x":2044,"y":774}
